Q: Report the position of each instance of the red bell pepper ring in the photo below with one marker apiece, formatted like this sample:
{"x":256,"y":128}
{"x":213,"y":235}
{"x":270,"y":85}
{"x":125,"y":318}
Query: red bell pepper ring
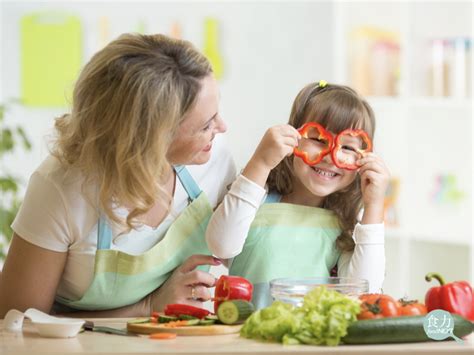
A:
{"x":184,"y":309}
{"x":324,"y":135}
{"x":455,"y":297}
{"x":232,"y":288}
{"x":338,"y":146}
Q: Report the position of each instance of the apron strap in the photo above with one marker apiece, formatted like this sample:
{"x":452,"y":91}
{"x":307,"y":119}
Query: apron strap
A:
{"x":104,"y":232}
{"x":192,"y":189}
{"x":273,"y":197}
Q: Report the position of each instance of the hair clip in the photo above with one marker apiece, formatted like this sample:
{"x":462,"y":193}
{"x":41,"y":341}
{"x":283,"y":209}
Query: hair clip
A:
{"x":322,"y":83}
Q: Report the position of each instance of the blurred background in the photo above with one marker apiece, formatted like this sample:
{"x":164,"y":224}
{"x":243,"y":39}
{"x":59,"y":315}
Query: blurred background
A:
{"x":412,"y":60}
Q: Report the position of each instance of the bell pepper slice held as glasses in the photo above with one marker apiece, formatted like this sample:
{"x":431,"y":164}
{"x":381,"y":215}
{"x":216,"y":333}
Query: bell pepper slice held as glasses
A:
{"x":333,"y":145}
{"x":338,"y":146}
{"x":232,"y":288}
{"x":323,"y":135}
{"x":455,"y":297}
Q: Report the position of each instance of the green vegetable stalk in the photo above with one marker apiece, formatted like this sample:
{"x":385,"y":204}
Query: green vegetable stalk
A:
{"x":323,"y":319}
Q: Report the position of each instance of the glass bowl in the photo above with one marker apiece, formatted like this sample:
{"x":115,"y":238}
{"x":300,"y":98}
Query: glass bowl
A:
{"x":292,"y":290}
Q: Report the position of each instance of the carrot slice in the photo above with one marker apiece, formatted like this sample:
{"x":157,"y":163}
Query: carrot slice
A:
{"x":162,"y":336}
{"x":176,"y":323}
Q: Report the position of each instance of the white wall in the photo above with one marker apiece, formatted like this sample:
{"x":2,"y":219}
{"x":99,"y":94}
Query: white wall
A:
{"x":270,"y":51}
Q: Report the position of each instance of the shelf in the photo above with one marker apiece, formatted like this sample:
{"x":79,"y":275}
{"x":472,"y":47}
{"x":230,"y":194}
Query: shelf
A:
{"x":422,"y":102}
{"x":411,"y":129}
{"x":398,"y":234}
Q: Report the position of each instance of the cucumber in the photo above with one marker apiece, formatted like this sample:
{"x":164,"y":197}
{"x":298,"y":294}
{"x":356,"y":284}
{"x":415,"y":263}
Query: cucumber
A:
{"x":139,"y":321}
{"x":191,"y":322}
{"x":234,"y":311}
{"x":398,"y":330}
{"x":186,"y":317}
{"x":166,"y":319}
{"x":207,"y":322}
{"x":211,"y":317}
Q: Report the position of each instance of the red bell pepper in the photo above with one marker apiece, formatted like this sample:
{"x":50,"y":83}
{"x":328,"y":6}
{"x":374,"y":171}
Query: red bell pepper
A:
{"x":332,"y":145}
{"x":455,"y":297}
{"x":232,"y":288}
{"x":184,"y":309}
{"x":338,"y":146}
{"x":324,"y":136}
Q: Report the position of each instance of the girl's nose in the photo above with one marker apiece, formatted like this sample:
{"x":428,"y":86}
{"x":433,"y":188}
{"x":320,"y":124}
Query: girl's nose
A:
{"x":328,"y":158}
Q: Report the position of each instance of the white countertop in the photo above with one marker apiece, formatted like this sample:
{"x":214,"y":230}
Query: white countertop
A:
{"x":29,"y":342}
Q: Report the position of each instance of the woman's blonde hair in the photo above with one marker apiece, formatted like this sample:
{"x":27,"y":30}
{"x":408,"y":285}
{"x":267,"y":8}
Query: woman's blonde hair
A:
{"x":335,"y":107}
{"x":127,"y":104}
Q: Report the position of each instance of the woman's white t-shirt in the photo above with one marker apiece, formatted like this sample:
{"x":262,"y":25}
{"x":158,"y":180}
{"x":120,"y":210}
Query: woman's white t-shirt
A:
{"x":57,"y":215}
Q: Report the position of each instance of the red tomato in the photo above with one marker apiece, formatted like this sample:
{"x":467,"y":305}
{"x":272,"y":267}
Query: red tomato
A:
{"x":412,"y":308}
{"x":378,"y":306}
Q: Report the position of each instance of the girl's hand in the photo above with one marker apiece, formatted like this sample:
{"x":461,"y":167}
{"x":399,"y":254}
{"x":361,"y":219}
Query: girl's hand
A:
{"x":277,"y":143}
{"x":375,"y":177}
{"x":186,"y":285}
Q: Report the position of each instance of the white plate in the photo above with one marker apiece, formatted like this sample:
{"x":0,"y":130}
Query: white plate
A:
{"x":47,"y":326}
{"x":59,"y":330}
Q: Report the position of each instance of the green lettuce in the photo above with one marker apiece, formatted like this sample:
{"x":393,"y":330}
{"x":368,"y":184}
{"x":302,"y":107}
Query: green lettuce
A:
{"x":321,"y":320}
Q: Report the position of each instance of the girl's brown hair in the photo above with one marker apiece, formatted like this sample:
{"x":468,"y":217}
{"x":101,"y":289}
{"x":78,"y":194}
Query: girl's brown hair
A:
{"x":335,"y":107}
{"x":127,"y":104}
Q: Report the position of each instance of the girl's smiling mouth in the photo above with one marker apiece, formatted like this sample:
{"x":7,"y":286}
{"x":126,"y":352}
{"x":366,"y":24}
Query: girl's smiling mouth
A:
{"x":324,"y":173}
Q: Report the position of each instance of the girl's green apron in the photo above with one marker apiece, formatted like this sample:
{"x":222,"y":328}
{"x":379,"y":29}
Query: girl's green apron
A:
{"x":287,"y":240}
{"x":122,"y":279}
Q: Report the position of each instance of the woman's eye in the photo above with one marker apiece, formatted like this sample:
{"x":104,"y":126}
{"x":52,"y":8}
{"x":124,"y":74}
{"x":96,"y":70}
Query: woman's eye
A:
{"x":208,"y":126}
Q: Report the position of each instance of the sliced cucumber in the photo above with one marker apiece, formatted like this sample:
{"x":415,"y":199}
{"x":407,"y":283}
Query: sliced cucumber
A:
{"x":139,"y":321}
{"x":234,"y":311}
{"x":186,"y":317}
{"x":398,"y":330}
{"x":192,"y":322}
{"x":211,"y":317}
{"x":207,"y":322}
{"x":166,"y":319}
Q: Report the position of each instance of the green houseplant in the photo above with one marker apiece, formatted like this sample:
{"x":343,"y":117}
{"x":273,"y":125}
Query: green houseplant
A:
{"x":11,"y":139}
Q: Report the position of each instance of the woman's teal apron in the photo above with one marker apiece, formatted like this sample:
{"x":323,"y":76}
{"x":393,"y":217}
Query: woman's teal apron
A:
{"x":287,"y":240}
{"x":122,"y":279}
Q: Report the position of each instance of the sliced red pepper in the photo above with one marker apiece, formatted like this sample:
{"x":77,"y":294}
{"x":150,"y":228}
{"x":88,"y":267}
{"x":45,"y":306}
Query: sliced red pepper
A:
{"x":232,"y":288}
{"x":338,"y":146}
{"x":455,"y":297}
{"x":324,"y":135}
{"x":184,"y":309}
{"x":333,"y":145}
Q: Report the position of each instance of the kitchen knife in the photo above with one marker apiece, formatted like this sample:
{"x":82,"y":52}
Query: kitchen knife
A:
{"x":90,"y":326}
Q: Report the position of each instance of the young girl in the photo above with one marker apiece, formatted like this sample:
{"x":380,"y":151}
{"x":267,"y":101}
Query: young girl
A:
{"x":307,"y":223}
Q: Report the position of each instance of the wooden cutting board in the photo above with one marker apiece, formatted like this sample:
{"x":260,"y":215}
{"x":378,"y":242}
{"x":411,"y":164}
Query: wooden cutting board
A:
{"x":215,"y":329}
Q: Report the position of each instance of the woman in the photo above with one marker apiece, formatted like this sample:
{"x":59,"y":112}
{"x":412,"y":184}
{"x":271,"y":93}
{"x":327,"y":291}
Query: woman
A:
{"x":106,"y":227}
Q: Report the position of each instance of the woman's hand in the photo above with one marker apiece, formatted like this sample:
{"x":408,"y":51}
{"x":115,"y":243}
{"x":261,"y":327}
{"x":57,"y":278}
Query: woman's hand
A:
{"x":277,"y":143}
{"x":185,"y":285}
{"x":375,"y":177}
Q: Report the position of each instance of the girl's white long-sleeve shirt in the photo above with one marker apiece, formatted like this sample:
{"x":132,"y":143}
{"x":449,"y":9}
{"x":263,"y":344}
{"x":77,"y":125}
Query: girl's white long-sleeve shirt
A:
{"x":230,"y":224}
